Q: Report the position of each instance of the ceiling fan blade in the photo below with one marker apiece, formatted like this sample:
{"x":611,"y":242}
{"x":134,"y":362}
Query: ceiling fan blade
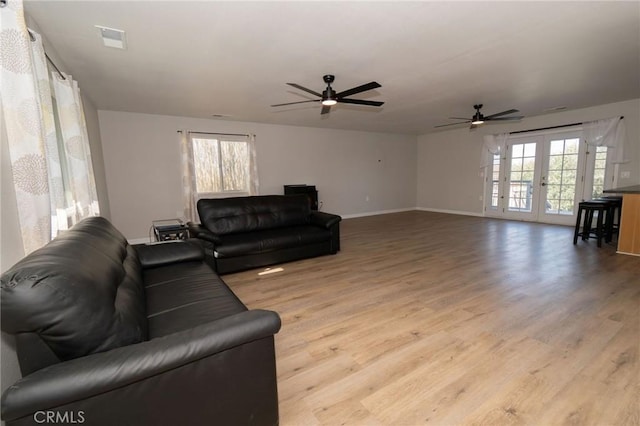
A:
{"x":363,"y":88}
{"x":360,"y":102}
{"x":489,"y":117}
{"x":325,"y":109}
{"x":453,"y":124}
{"x":292,"y":103}
{"x":297,"y":86}
{"x":517,"y":117}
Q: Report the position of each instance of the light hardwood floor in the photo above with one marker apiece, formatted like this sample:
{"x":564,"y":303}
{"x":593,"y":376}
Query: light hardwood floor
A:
{"x":428,"y":318}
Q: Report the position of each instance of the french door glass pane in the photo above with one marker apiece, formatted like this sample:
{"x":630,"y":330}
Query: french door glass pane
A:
{"x":562,"y":176}
{"x":599,"y":171}
{"x":523,"y":161}
{"x":495,"y":181}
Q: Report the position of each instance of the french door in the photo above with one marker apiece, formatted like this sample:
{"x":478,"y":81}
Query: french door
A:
{"x":538,"y":178}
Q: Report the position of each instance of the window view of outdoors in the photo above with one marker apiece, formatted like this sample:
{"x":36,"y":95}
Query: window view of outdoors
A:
{"x":235,"y":166}
{"x":568,"y":168}
{"x":220,"y":165}
{"x":598,"y":173}
{"x":563,"y":174}
{"x":495,"y":183}
{"x":523,"y":162}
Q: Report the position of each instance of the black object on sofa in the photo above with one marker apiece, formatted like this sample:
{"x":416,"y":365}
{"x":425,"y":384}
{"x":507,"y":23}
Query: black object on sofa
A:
{"x":108,"y":333}
{"x":241,"y":233}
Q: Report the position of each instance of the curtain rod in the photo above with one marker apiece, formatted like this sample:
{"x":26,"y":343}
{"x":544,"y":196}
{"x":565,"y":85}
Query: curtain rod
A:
{"x":33,"y":38}
{"x":220,"y":134}
{"x":551,"y":127}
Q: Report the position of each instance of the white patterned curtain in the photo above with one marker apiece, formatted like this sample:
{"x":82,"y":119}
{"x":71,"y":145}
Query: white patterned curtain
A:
{"x":254,"y":184}
{"x":53,"y":181}
{"x":27,"y":124}
{"x":188,"y":178}
{"x":52,"y":155}
{"x":82,"y":198}
{"x":610,"y":133}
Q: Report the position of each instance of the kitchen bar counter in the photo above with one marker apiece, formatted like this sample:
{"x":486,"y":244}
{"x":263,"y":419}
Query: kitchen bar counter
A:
{"x":629,"y":237}
{"x":634,"y":189}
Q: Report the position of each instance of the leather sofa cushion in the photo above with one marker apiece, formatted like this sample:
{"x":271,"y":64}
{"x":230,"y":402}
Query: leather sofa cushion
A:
{"x":184,"y":295}
{"x":82,"y":293}
{"x":247,"y":214}
{"x":168,"y":252}
{"x":269,"y":240}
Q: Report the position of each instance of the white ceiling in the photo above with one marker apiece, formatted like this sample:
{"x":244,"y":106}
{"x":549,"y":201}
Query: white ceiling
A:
{"x":433,"y":59}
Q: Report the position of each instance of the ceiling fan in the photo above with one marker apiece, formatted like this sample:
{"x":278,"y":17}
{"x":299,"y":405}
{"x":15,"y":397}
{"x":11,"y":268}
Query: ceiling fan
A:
{"x":479,"y":119}
{"x":329,"y":97}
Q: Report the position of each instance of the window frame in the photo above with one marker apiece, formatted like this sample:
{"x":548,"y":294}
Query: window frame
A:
{"x":219,"y":139}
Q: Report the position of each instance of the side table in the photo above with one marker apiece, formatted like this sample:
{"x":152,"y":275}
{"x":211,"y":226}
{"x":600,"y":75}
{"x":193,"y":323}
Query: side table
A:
{"x":170,"y":229}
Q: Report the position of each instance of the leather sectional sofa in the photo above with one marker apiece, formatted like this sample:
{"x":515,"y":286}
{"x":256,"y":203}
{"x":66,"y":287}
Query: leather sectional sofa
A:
{"x":112,"y":334}
{"x":241,"y":233}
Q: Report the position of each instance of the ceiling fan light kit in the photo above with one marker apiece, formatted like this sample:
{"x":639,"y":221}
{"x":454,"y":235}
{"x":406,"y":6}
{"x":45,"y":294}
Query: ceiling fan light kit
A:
{"x":329,"y":97}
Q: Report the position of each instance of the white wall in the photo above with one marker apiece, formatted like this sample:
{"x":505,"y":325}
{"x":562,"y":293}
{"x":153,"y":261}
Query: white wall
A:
{"x":449,"y":162}
{"x":143,"y":171}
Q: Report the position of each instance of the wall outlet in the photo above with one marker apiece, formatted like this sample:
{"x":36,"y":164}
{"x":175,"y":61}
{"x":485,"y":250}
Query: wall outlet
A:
{"x":625,"y":175}
{"x":480,"y":197}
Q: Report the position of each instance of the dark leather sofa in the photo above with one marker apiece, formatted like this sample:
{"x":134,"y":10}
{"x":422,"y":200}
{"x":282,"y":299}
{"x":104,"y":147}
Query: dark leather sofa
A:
{"x":241,"y":233}
{"x":112,"y":334}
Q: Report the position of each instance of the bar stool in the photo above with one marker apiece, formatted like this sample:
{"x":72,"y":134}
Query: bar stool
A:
{"x":614,"y":204}
{"x":589,"y":208}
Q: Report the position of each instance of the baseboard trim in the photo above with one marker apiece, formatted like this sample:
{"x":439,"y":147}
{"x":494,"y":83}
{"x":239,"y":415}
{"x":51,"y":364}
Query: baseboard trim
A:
{"x":627,"y":254}
{"x":356,"y":215}
{"x":376,"y":213}
{"x":411,"y":209}
{"x":458,"y":212}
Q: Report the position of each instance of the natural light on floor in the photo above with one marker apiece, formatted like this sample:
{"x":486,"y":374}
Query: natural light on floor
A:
{"x":270,"y":271}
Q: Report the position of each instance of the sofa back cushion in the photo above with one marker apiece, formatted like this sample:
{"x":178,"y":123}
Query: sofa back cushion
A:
{"x":82,"y":293}
{"x":245,"y":214}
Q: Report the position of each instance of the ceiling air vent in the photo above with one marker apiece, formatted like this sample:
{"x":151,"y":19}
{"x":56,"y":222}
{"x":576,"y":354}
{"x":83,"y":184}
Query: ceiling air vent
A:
{"x":112,"y":37}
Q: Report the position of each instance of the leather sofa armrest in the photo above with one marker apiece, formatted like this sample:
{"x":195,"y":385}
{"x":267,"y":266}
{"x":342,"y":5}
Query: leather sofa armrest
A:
{"x":326,"y":220}
{"x":95,"y":374}
{"x":167,"y":252}
{"x":197,"y":230}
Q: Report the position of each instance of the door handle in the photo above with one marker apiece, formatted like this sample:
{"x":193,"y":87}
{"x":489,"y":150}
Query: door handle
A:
{"x":543,"y":184}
